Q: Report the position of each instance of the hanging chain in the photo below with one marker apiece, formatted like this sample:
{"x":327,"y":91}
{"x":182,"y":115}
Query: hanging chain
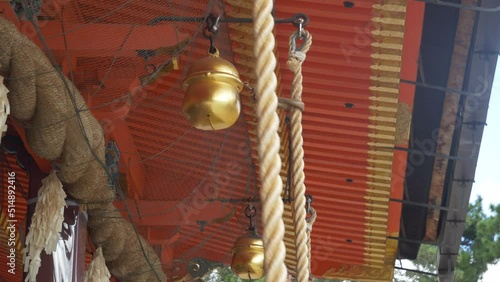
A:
{"x":250,"y":213}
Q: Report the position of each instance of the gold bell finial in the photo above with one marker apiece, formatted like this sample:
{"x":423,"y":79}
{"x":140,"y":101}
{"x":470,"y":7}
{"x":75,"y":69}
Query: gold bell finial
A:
{"x":248,"y":251}
{"x":212,"y":99}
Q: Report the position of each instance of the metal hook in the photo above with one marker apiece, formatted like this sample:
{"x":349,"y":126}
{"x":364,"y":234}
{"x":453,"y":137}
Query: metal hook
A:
{"x":215,"y":25}
{"x":300,"y":32}
{"x":249,"y":209}
{"x":212,"y":25}
{"x":250,"y":212}
{"x":309,"y":200}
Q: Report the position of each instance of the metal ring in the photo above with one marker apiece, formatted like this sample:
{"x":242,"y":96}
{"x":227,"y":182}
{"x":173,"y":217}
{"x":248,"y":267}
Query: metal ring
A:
{"x":197,"y":267}
{"x":296,"y":36}
{"x":296,"y":20}
{"x":310,"y":198}
{"x":300,"y":21}
{"x":215,"y":26}
{"x":250,"y":211}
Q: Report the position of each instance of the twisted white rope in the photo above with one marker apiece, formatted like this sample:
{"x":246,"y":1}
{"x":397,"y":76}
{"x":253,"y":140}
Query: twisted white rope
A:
{"x":294,"y":63}
{"x":269,"y":142}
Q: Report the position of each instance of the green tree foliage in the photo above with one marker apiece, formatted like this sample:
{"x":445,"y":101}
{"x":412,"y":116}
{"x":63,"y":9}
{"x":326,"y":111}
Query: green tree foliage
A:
{"x":225,"y":274}
{"x":480,"y":246}
{"x":480,"y":243}
{"x":330,"y":280}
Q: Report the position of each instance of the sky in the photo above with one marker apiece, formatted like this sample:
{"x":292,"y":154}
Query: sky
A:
{"x":487,"y":176}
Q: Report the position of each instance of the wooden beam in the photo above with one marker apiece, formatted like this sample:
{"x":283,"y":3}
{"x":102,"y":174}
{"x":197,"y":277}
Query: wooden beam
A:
{"x":458,"y":72}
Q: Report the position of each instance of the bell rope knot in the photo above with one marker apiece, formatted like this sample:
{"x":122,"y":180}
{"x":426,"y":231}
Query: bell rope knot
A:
{"x":295,"y":60}
{"x":4,"y":108}
{"x":46,"y":224}
{"x":97,"y":272}
{"x":298,"y":55}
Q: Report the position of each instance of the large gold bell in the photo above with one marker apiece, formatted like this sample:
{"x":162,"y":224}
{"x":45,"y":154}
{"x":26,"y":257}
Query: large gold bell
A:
{"x":248,"y":256}
{"x":212,"y":98}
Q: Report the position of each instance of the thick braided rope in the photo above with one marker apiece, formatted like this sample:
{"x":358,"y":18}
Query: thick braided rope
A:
{"x":57,"y":132}
{"x":294,"y":63}
{"x":269,"y":143}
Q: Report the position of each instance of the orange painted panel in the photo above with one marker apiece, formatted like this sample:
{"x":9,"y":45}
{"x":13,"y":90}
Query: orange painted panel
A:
{"x":409,"y":69}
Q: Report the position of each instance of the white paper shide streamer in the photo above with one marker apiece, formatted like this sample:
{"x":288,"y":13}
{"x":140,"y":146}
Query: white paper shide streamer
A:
{"x":4,"y":108}
{"x":97,"y":272}
{"x":46,"y":224}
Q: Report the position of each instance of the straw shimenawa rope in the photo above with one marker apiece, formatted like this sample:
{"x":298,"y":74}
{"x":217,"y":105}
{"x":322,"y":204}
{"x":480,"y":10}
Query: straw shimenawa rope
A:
{"x":294,"y":63}
{"x":74,"y":141}
{"x":269,"y":143}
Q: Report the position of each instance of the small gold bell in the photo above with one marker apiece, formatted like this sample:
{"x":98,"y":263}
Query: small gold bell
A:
{"x":248,"y":256}
{"x":248,"y":251}
{"x":212,"y":100}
